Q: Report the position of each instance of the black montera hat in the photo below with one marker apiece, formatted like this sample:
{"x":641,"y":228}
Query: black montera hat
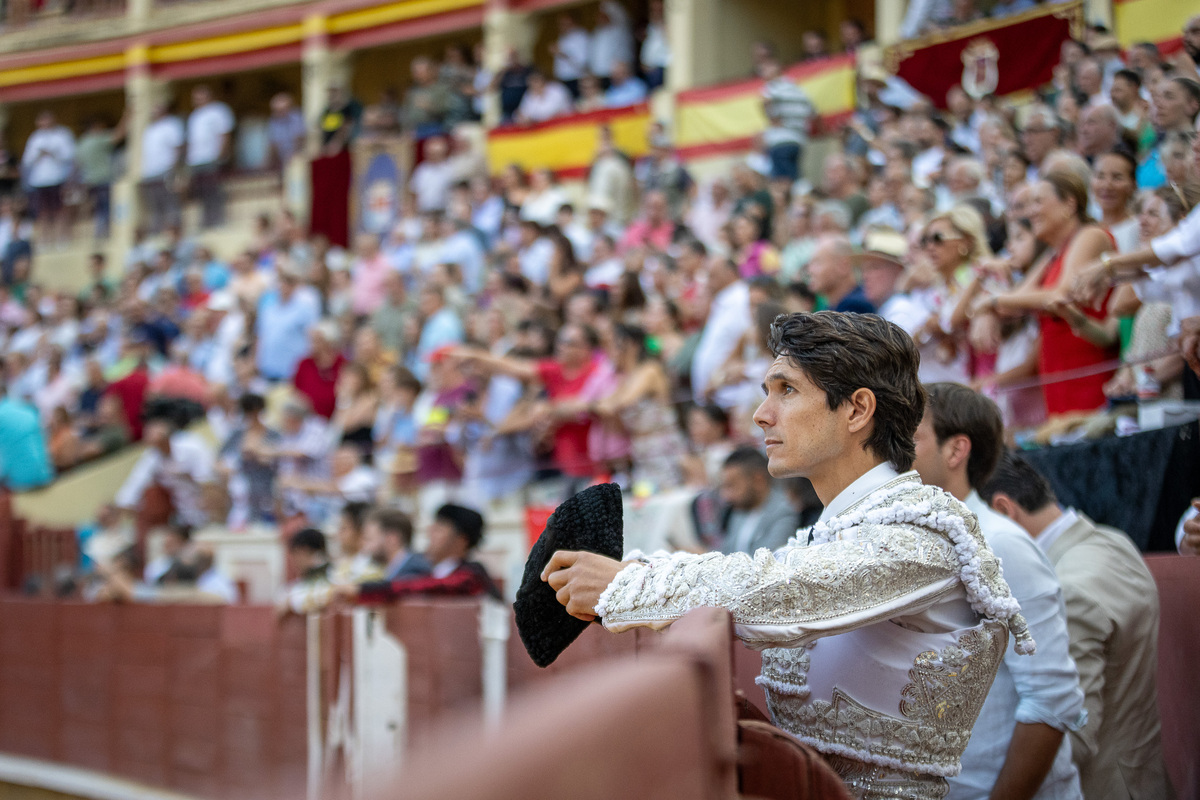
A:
{"x":591,"y":521}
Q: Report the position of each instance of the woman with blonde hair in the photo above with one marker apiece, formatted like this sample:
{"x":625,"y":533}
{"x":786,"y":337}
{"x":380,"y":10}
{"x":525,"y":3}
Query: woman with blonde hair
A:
{"x":1072,"y":337}
{"x":951,"y":243}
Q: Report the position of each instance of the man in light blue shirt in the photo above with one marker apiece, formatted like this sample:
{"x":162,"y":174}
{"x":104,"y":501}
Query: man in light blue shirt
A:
{"x":1019,"y":748}
{"x":24,"y":460}
{"x":284,"y":316}
{"x":626,"y":90}
{"x":461,"y":245}
{"x":442,"y":327}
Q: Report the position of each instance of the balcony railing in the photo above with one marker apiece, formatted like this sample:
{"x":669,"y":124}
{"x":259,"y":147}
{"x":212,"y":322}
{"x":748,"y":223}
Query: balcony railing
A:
{"x":20,"y":13}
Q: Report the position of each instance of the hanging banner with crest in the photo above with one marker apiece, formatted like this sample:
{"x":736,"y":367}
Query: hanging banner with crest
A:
{"x":993,"y":56}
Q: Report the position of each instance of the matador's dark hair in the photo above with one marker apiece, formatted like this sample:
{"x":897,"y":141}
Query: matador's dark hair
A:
{"x":841,"y":353}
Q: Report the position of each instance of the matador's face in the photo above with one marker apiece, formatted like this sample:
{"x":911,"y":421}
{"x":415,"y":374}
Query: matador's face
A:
{"x":803,"y":434}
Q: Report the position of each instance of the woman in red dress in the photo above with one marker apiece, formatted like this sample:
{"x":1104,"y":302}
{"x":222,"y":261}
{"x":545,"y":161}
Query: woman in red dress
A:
{"x":1072,"y":337}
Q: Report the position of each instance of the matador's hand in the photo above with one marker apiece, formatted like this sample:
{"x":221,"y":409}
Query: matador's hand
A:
{"x":580,"y":578}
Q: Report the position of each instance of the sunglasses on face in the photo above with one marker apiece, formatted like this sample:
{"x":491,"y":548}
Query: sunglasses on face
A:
{"x":937,"y":238}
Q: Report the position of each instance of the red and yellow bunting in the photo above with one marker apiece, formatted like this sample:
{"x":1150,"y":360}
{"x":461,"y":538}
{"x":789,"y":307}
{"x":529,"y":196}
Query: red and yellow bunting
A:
{"x":250,"y":43}
{"x":1157,"y":21}
{"x":726,"y":118}
{"x":708,"y":122}
{"x":567,"y":145}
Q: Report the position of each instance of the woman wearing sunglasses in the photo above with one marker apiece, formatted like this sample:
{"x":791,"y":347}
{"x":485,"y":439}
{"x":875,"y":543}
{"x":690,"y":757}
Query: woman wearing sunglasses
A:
{"x":952,"y":242}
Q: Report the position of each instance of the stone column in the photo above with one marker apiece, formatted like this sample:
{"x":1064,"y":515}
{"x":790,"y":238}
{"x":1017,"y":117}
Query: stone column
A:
{"x":322,"y":67}
{"x":888,"y":17}
{"x":142,"y":91}
{"x":138,"y":11}
{"x":503,"y":29}
{"x":1099,"y":12}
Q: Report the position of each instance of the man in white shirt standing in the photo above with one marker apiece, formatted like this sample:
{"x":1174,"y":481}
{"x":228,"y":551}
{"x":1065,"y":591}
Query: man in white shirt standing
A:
{"x":177,"y":460}
{"x":47,"y":164}
{"x":431,"y":179}
{"x":728,"y":319}
{"x":611,"y":42}
{"x":209,"y":133}
{"x":162,"y":144}
{"x":1019,"y":748}
{"x":570,"y":53}
{"x":656,"y":52}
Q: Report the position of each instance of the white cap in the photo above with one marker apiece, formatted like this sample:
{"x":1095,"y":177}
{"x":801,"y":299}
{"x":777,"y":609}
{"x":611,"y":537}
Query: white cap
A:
{"x":221,"y":301}
{"x":337,"y":259}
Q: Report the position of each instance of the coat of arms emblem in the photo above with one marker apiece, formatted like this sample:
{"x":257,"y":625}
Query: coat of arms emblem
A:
{"x":981,"y":68}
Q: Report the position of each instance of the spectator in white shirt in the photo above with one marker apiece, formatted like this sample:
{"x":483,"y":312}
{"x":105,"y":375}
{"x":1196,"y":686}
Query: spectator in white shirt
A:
{"x":610,"y":178}
{"x":789,"y":112}
{"x":47,"y":163}
{"x":544,"y":199}
{"x":162,"y":144}
{"x":180,"y":462}
{"x":611,"y":42}
{"x":534,"y":253}
{"x":350,"y":480}
{"x":570,"y":53}
{"x":605,"y":267}
{"x":728,"y":319}
{"x":432,"y":178}
{"x":209,"y":132}
{"x":543,"y":100}
{"x":655,"y":54}
{"x":582,"y":233}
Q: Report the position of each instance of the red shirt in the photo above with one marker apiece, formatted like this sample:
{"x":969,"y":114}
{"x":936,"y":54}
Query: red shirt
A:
{"x":319,"y":385}
{"x":571,"y":437}
{"x":180,"y":381}
{"x":469,"y":579}
{"x":1063,"y":350}
{"x":132,"y":391}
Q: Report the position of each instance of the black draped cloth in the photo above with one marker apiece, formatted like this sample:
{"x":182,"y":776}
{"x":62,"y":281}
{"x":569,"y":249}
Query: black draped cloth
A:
{"x":1140,"y":484}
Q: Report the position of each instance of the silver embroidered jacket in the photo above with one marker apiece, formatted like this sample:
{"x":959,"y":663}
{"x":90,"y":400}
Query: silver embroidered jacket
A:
{"x":881,"y":637}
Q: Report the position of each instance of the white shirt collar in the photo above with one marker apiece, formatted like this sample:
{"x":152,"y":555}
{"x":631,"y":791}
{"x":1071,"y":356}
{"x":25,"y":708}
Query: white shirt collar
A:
{"x":866,"y":483}
{"x":1051,"y":532}
{"x":443,"y":568}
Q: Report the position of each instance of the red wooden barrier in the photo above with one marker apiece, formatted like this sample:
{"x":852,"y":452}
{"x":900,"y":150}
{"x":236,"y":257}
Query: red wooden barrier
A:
{"x":1178,"y":579}
{"x":660,"y":726}
{"x":9,"y":565}
{"x":205,"y":700}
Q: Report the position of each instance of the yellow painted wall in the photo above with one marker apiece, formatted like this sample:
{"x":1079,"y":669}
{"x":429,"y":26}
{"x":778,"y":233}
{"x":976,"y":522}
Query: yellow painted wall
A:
{"x":74,"y":498}
{"x":724,"y":30}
